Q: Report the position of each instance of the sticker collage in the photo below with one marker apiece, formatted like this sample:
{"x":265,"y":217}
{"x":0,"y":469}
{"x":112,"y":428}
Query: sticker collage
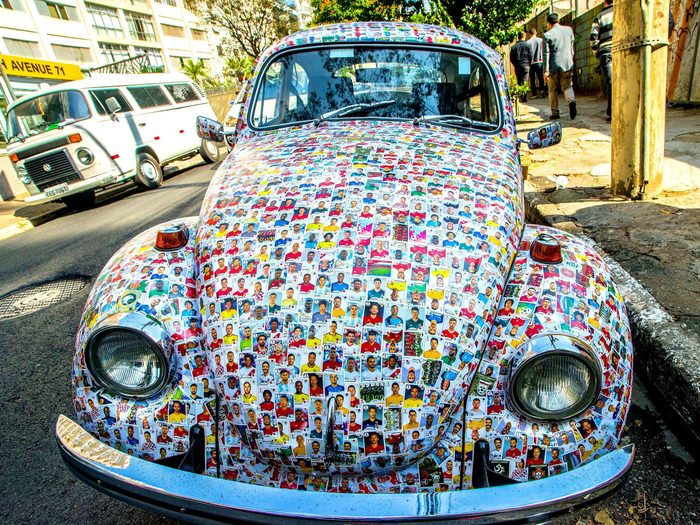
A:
{"x":336,"y":298}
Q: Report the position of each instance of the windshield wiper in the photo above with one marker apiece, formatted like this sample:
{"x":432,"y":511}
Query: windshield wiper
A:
{"x":462,"y":119}
{"x":352,"y":108}
{"x":19,"y":136}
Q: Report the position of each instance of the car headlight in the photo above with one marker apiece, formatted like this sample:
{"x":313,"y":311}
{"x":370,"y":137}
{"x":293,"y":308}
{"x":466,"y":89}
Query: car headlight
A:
{"x":129,"y":354}
{"x":555,"y":377}
{"x":85,"y":156}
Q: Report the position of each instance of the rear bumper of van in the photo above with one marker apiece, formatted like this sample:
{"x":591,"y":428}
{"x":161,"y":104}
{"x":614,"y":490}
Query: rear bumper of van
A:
{"x":79,"y":186}
{"x":204,"y":499}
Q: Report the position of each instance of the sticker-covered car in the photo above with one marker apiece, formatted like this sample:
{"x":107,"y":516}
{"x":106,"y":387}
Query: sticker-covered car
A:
{"x":359,"y":311}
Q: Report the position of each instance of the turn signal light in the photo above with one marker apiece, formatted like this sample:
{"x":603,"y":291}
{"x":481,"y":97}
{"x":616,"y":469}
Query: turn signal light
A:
{"x":172,"y":238}
{"x":74,"y":138}
{"x":14,"y":157}
{"x":546,"y":249}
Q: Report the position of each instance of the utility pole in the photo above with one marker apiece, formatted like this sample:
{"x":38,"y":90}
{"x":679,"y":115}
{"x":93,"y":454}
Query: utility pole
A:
{"x":640,"y":39}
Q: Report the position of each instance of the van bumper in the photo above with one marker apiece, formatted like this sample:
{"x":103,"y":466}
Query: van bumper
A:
{"x":203,"y":499}
{"x":79,"y":186}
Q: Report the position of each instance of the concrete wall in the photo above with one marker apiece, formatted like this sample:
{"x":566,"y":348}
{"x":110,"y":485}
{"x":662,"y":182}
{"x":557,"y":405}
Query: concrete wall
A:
{"x":683,"y":80}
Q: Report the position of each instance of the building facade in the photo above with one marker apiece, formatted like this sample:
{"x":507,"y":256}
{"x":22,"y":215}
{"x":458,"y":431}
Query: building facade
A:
{"x":92,"y":33}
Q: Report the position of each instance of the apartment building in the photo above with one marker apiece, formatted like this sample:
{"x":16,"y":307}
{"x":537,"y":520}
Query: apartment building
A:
{"x":91,"y":33}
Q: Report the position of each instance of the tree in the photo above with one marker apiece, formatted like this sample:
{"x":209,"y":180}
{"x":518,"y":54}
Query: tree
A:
{"x":197,"y":71}
{"x":495,"y":22}
{"x":252,"y":25}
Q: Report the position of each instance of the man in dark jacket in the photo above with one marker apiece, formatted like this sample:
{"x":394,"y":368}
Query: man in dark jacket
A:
{"x":537,"y":86}
{"x":601,"y":43}
{"x":520,"y":57}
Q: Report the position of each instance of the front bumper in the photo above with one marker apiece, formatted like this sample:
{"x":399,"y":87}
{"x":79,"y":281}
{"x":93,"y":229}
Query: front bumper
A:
{"x":81,"y":186}
{"x":203,"y":499}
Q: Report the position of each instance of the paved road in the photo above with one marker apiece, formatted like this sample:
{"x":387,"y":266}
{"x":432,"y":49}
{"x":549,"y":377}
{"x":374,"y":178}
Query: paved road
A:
{"x":37,"y":352}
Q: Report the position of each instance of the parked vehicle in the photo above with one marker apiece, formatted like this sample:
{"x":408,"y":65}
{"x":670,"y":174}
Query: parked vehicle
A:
{"x":359,"y":311}
{"x":67,"y":140}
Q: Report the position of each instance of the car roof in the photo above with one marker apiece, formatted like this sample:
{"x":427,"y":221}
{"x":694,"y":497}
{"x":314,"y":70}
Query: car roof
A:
{"x":108,"y":80}
{"x":400,"y":32}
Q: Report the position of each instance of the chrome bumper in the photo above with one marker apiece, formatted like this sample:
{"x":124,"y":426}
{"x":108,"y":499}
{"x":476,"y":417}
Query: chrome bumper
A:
{"x":203,"y":499}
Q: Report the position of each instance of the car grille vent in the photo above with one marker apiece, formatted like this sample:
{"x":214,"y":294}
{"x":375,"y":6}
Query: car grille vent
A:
{"x":52,"y":169}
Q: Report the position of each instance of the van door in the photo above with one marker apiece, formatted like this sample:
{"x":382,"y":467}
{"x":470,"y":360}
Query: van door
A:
{"x":115,"y":136}
{"x":156,"y":120}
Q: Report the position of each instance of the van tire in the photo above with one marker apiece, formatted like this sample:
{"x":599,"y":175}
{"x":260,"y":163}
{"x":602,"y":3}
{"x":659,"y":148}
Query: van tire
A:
{"x":149,"y":174}
{"x":210,"y":151}
{"x":80,"y":201}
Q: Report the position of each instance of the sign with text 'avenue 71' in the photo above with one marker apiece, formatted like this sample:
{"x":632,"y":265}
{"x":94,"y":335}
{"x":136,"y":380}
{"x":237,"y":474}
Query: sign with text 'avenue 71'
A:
{"x":31,"y":67}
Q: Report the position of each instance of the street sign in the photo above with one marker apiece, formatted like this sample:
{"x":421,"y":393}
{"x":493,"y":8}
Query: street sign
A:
{"x":31,"y":67}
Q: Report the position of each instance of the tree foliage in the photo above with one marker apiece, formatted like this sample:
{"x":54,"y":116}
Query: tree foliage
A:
{"x":251,"y":25}
{"x":197,"y":71}
{"x":495,"y":22}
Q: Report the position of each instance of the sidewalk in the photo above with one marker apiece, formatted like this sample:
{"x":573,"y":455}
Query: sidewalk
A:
{"x":656,"y":242}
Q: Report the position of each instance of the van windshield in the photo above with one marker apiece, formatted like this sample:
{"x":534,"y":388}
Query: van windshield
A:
{"x":45,"y":113}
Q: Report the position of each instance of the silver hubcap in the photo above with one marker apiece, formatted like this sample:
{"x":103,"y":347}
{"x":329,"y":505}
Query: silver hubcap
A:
{"x":211,"y":148}
{"x":149,"y":171}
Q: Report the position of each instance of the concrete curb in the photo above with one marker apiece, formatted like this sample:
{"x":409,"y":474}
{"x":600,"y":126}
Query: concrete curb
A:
{"x":27,"y":224}
{"x":666,"y":353}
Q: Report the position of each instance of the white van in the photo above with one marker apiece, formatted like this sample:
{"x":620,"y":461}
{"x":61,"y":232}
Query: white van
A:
{"x":71,"y":138}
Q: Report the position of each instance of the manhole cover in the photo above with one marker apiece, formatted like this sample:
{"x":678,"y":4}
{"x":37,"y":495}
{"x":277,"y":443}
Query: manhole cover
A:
{"x":33,"y":298}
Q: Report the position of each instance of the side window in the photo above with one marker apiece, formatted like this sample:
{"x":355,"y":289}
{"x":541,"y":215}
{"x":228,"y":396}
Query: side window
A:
{"x":182,"y":92}
{"x":148,"y":96}
{"x":266,"y":108}
{"x":100,"y":96}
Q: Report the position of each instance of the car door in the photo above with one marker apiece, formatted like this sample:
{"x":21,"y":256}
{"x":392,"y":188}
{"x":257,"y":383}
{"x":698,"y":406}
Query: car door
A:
{"x":156,"y":120}
{"x":115,"y":134}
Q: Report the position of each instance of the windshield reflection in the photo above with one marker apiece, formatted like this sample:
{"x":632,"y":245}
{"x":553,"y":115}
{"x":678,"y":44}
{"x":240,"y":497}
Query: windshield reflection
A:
{"x":45,"y":113}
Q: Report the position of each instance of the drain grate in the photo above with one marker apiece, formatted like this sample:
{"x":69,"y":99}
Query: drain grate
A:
{"x":33,"y":298}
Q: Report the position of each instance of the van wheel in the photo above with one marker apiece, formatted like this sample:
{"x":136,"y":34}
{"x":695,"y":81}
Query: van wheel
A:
{"x":209,"y":151}
{"x":149,"y":174}
{"x":80,"y":201}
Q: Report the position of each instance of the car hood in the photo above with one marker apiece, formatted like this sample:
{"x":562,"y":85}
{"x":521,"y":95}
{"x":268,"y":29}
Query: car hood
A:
{"x":349,"y":276}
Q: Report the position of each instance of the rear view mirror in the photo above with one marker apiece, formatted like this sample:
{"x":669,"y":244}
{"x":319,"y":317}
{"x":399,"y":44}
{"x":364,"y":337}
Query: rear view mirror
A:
{"x":209,"y":129}
{"x":545,"y":136}
{"x":113,"y":105}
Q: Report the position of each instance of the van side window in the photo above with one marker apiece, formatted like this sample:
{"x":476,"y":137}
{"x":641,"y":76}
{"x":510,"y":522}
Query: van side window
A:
{"x":100,"y":96}
{"x":148,"y":96}
{"x":182,"y":92}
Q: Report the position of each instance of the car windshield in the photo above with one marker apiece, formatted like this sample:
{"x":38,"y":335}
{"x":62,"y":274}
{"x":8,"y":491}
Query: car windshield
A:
{"x":382,"y":82}
{"x":44,"y":113}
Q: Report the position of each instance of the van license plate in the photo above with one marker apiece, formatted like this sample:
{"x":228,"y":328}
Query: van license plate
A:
{"x":57,"y":190}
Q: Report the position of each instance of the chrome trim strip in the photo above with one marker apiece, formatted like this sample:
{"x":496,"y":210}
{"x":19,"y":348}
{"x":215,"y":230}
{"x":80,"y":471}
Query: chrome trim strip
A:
{"x":199,"y":498}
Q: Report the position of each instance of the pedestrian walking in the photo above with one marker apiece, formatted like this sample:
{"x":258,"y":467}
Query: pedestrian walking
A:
{"x":520,"y":57}
{"x":558,"y":54}
{"x":537,"y":86}
{"x":601,"y":43}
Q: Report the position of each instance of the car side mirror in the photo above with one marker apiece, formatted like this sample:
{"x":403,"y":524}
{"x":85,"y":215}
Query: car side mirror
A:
{"x":113,"y":107}
{"x":210,"y":129}
{"x":545,"y":136}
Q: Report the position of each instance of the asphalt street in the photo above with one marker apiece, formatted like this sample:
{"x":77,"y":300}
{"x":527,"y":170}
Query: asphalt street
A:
{"x":37,"y":350}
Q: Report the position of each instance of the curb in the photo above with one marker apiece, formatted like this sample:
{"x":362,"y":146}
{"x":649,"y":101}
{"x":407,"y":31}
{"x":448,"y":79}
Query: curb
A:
{"x":28,"y":224}
{"x":666,"y":353}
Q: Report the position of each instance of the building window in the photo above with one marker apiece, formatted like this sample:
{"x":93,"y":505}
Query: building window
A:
{"x":81,"y":55}
{"x":177,"y":62}
{"x":113,"y":52}
{"x":15,"y":5}
{"x":22,"y":48}
{"x":175,"y":31}
{"x":171,"y":3}
{"x":198,"y":34}
{"x":58,"y":11}
{"x":152,"y":62}
{"x":140,"y":26}
{"x":105,"y":21}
